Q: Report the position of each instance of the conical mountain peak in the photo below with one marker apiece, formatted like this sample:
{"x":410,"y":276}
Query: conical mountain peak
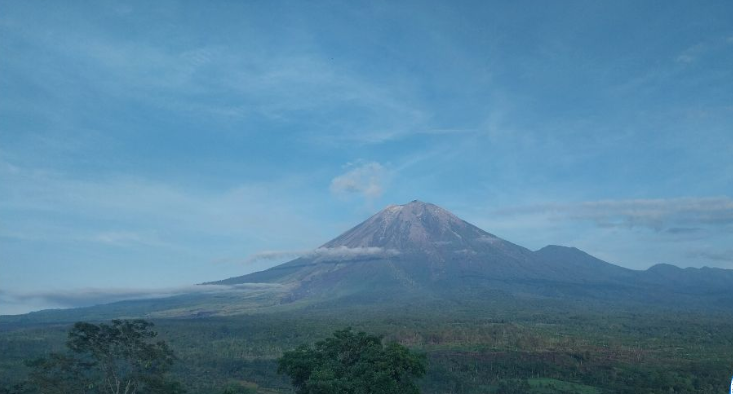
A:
{"x":413,"y":226}
{"x":420,"y":246}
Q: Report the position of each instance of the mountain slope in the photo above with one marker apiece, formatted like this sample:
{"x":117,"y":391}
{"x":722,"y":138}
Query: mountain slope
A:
{"x":416,"y":249}
{"x":421,"y":250}
{"x":411,"y":246}
{"x":572,"y":264}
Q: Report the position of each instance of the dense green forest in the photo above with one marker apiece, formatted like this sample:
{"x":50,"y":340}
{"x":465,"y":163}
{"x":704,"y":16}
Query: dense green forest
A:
{"x":478,"y":348}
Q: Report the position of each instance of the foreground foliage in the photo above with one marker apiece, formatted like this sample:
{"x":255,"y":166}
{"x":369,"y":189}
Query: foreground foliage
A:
{"x":498,"y":346}
{"x":117,"y":358}
{"x":351,"y":363}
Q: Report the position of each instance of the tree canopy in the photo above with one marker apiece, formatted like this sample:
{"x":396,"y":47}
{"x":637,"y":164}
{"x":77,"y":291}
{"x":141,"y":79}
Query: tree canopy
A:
{"x":117,"y":358}
{"x":353,"y":363}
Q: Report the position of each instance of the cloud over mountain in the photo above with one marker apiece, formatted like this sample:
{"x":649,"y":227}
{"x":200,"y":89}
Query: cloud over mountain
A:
{"x":341,"y":252}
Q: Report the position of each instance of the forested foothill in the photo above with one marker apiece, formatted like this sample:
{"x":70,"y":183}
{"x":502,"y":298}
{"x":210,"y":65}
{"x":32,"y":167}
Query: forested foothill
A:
{"x":493,"y":347}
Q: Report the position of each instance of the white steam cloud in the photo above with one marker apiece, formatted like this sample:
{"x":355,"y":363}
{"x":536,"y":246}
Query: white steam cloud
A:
{"x":366,"y":179}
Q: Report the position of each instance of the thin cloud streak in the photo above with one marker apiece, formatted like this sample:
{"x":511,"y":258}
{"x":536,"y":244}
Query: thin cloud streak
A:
{"x":719,"y":256}
{"x":341,"y":252}
{"x":261,"y":84}
{"x":676,"y":215}
{"x":134,"y":203}
{"x":97,"y":296}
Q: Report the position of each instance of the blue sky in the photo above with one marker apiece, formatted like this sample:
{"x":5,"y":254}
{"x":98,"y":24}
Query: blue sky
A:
{"x":154,"y":145}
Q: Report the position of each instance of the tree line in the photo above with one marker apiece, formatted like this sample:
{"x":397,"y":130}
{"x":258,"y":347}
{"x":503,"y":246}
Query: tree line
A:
{"x":126,"y":357}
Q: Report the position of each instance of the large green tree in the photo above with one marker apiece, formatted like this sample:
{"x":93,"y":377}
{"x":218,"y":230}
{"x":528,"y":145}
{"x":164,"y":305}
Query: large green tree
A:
{"x":353,"y":363}
{"x":118,"y":358}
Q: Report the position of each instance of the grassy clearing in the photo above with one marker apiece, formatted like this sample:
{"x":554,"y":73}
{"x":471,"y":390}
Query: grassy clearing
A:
{"x":553,"y":386}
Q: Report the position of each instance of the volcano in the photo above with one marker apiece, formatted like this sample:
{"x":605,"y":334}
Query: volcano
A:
{"x":416,"y":247}
{"x":421,"y":249}
{"x":420,"y":256}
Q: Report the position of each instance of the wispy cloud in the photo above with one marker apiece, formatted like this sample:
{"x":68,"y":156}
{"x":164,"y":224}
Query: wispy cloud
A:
{"x":365,"y":179}
{"x":720,"y":256}
{"x":676,"y":215}
{"x":699,"y":50}
{"x":341,"y":252}
{"x":257,"y":82}
{"x":97,"y":296}
{"x":692,"y":53}
{"x":60,"y":230}
{"x":273,"y":255}
{"x":151,"y":207}
{"x":125,"y":238}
